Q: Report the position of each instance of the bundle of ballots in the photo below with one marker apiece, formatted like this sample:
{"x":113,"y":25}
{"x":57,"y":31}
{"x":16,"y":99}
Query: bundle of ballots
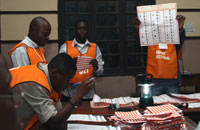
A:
{"x":167,"y":117}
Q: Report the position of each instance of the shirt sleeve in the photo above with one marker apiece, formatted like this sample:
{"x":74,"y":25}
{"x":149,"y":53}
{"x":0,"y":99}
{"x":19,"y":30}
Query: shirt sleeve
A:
{"x":100,"y":61}
{"x":182,"y":39}
{"x":37,"y":97}
{"x":20,"y":57}
{"x":63,"y":48}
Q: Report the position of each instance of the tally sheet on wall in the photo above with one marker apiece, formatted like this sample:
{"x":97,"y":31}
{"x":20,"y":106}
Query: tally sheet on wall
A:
{"x":158,"y":24}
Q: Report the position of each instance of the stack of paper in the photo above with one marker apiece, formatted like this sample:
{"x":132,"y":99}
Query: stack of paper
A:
{"x":83,"y":62}
{"x":85,"y":117}
{"x":97,"y":102}
{"x":164,"y":117}
{"x":173,"y":99}
{"x":132,"y":119}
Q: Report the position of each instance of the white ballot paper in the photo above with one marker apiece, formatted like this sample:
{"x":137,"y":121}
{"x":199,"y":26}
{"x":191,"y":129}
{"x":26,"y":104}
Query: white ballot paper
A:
{"x":158,"y":24}
{"x":91,"y":127}
{"x":86,"y":117}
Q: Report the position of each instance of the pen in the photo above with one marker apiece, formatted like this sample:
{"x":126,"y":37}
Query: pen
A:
{"x":81,"y":82}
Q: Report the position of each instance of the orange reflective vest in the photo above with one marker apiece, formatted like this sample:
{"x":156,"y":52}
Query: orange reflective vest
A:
{"x":21,"y":75}
{"x":74,"y":52}
{"x":162,"y":63}
{"x":35,"y":55}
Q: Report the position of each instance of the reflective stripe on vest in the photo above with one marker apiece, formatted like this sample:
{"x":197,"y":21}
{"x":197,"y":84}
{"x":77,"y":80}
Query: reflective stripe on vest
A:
{"x":162,"y":63}
{"x":74,"y":52}
{"x":33,"y":57}
{"x":22,"y":74}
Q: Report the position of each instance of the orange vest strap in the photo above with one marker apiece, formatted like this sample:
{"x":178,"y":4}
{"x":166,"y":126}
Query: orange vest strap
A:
{"x":33,"y":57}
{"x":33,"y":124}
{"x":22,"y":74}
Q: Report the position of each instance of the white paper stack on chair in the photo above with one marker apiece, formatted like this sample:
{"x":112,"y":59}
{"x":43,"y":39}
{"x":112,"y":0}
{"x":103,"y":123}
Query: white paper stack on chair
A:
{"x":97,"y":102}
{"x":83,"y":62}
{"x":164,"y":117}
{"x":132,"y":119}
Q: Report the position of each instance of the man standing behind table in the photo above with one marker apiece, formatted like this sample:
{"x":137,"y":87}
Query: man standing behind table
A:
{"x":166,"y":73}
{"x":29,"y":50}
{"x":41,"y":106}
{"x":80,"y":46}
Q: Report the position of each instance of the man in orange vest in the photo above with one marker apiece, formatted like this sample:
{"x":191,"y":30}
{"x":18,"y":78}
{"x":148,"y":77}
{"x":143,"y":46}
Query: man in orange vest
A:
{"x":81,"y":47}
{"x":162,"y":63}
{"x":41,"y":85}
{"x":29,"y":51}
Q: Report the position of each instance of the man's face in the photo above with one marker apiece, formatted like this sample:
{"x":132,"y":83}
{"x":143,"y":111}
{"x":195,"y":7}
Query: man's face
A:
{"x":42,"y":36}
{"x":61,"y":82}
{"x":81,"y":30}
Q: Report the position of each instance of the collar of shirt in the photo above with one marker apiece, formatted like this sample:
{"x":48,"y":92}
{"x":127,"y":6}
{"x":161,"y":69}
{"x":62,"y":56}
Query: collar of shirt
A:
{"x":75,"y":43}
{"x":44,"y":68}
{"x":30,"y":42}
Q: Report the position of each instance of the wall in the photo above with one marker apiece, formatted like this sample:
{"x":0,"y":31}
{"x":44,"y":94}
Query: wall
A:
{"x":16,"y":18}
{"x":15,"y":26}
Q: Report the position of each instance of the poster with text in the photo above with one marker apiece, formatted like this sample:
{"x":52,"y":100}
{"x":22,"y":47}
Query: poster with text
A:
{"x":158,"y":24}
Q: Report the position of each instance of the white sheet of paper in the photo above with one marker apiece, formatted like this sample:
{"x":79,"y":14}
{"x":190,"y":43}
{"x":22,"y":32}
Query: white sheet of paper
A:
{"x":118,"y":100}
{"x":158,"y":24}
{"x":91,"y":127}
{"x":194,"y":105}
{"x":189,"y":27}
{"x":163,"y":46}
{"x":86,"y":117}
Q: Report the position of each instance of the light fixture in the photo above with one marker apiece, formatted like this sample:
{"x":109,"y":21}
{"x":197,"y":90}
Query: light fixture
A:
{"x":146,"y":98}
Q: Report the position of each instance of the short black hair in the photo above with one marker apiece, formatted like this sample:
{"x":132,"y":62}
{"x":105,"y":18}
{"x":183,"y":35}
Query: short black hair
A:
{"x":63,"y":63}
{"x":80,"y":20}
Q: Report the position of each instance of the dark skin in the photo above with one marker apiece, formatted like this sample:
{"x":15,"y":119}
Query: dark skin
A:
{"x":81,"y":35}
{"x":180,"y":18}
{"x":59,"y":83}
{"x":39,"y":31}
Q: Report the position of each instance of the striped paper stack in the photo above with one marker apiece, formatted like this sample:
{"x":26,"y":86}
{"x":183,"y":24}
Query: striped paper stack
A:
{"x":83,"y":62}
{"x":132,"y":119}
{"x":163,"y":117}
{"x":167,"y":117}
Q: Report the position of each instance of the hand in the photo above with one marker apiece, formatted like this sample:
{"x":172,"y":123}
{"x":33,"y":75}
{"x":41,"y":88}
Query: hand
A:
{"x":86,"y":86}
{"x":136,"y":23}
{"x":181,"y":21}
{"x":94,"y":63}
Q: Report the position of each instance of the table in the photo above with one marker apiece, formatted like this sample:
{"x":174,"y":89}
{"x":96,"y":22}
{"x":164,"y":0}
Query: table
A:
{"x":84,"y":108}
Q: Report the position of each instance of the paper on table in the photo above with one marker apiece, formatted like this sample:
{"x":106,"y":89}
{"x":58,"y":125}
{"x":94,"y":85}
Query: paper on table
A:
{"x":194,"y":96}
{"x":97,"y":102}
{"x":91,"y":127}
{"x":194,"y":105}
{"x":158,"y":24}
{"x":86,"y":117}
